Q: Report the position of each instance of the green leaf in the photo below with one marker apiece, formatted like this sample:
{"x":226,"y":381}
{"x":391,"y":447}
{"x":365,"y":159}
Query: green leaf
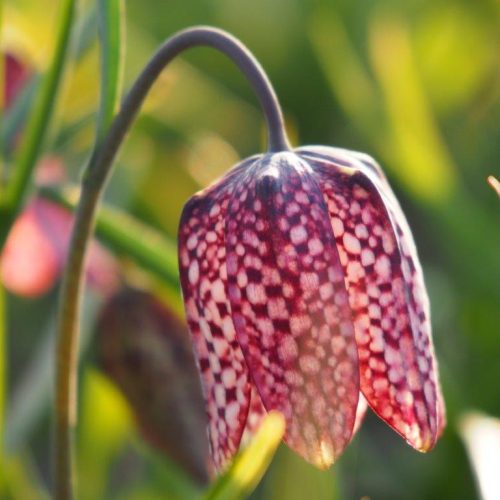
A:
{"x":128,"y":236}
{"x":39,"y":121}
{"x":250,"y":465}
{"x":111,"y":17}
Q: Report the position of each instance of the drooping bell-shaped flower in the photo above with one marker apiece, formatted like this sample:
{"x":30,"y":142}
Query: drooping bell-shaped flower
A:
{"x":302,"y":289}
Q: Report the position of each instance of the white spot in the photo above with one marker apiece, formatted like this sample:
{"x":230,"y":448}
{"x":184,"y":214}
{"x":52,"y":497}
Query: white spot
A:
{"x":374,"y":311}
{"x":377,"y":344}
{"x":192,"y":242}
{"x":392,"y":357}
{"x":298,"y":235}
{"x":383,"y":267}
{"x":214,"y":211}
{"x":232,"y":412}
{"x":387,"y":243}
{"x":355,"y":271}
{"x":193,"y":272}
{"x":251,"y":260}
{"x":309,"y":281}
{"x":288,"y":349}
{"x":361,"y":232}
{"x":211,"y":236}
{"x":265,"y":327}
{"x":360,"y":193}
{"x":229,"y":377}
{"x":351,"y":243}
{"x":413,"y":379}
{"x":292,"y":209}
{"x":228,"y":328}
{"x":337,"y":226}
{"x":302,"y":198}
{"x":256,"y":293}
{"x":288,"y":290}
{"x":299,"y":324}
{"x":338,"y":344}
{"x":315,"y":246}
{"x":283,"y":224}
{"x":355,"y":208}
{"x":373,"y":291}
{"x":380,"y":384}
{"x":242,"y":279}
{"x":276,"y":308}
{"x":220,"y":395}
{"x":220,"y":346}
{"x":250,"y":238}
{"x":367,"y":257}
{"x":218,"y":293}
{"x":309,"y":364}
{"x":326,"y":291}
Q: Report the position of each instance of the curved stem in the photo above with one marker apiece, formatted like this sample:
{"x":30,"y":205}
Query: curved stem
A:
{"x":92,"y":187}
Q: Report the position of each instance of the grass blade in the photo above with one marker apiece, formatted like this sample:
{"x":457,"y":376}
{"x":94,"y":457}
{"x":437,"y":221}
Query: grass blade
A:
{"x":39,"y":121}
{"x":111,"y":17}
{"x":249,"y":466}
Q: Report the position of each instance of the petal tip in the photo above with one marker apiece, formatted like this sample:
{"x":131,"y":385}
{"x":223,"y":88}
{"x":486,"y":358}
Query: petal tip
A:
{"x":326,"y":455}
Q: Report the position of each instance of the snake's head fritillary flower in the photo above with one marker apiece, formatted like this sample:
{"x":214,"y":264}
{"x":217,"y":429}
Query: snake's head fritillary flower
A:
{"x":303,"y":289}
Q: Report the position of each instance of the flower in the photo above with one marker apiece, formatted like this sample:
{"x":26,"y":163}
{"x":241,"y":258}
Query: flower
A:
{"x":303,"y":289}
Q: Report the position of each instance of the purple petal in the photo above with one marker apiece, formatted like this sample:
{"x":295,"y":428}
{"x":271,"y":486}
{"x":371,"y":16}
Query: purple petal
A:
{"x":224,"y":376}
{"x":290,"y":307}
{"x":387,"y":297}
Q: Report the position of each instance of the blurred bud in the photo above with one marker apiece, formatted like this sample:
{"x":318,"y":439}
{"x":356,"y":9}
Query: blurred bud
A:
{"x":16,"y":76}
{"x":36,"y":248}
{"x":146,"y":351}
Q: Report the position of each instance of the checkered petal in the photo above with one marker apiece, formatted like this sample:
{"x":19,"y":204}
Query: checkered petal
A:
{"x":202,"y":263}
{"x":290,"y":306}
{"x":386,"y":294}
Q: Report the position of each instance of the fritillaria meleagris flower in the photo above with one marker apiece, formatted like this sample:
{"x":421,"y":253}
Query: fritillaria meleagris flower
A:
{"x":303,"y":289}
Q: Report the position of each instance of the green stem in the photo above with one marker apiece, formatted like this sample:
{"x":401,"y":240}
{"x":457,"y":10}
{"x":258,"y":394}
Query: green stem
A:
{"x":94,"y":182}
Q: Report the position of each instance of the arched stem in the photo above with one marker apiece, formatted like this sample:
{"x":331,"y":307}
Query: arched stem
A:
{"x":93,"y":185}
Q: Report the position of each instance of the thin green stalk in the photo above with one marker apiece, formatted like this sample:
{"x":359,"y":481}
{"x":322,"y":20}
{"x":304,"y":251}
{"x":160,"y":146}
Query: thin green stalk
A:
{"x":94,"y":182}
{"x":111,"y":18}
{"x":39,"y":122}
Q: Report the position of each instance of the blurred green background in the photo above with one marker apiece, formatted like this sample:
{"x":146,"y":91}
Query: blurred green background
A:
{"x":416,"y":84}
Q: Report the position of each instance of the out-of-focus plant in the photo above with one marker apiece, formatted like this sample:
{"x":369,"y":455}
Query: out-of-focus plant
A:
{"x":145,"y":349}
